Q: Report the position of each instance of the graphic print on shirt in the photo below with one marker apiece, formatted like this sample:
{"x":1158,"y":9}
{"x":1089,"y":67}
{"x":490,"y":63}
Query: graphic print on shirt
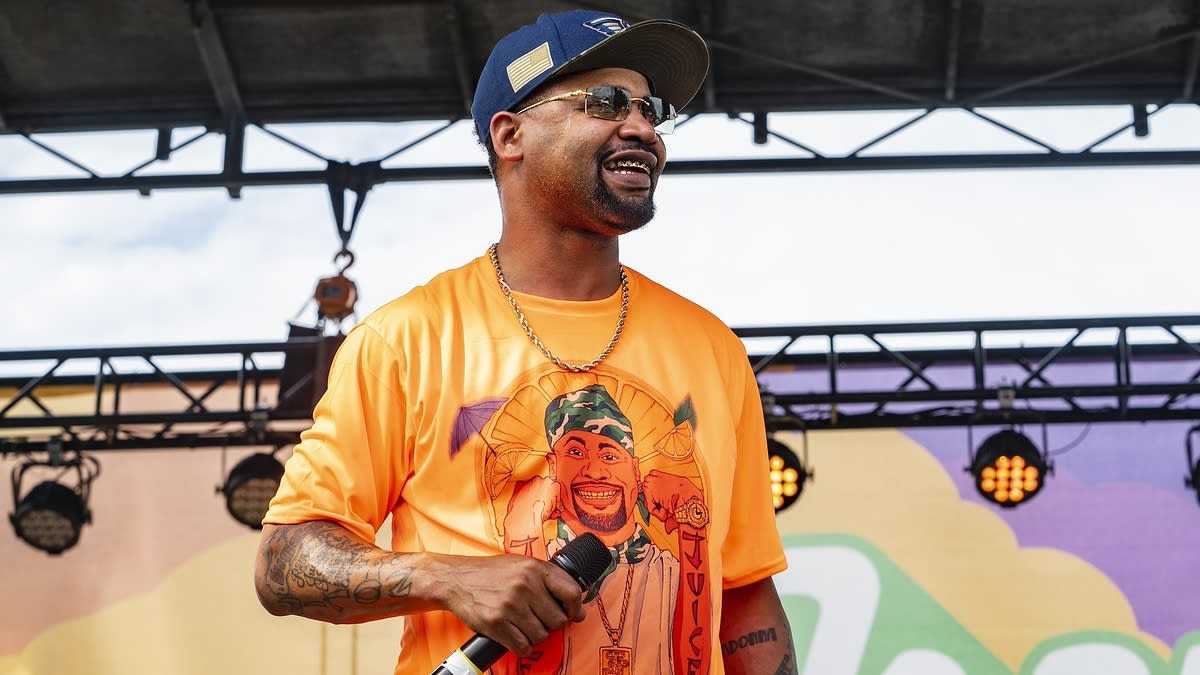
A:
{"x":602,"y":452}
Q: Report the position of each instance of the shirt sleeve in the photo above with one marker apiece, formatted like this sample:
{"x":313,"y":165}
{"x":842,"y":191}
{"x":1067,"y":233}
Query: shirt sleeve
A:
{"x":350,"y":465}
{"x":752,"y":549}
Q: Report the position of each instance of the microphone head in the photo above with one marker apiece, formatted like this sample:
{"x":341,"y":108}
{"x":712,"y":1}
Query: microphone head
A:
{"x":585,"y":558}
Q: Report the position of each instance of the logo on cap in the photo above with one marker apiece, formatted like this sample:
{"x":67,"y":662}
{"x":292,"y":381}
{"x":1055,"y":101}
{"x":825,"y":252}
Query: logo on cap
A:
{"x":607,"y":25}
{"x":529,"y":65}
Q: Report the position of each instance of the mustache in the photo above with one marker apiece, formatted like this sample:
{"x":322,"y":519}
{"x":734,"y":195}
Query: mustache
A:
{"x":624,"y":147}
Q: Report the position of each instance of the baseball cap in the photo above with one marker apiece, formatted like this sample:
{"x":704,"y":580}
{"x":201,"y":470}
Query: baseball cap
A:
{"x":672,"y":57}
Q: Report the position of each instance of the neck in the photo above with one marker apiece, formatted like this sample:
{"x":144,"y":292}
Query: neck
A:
{"x":575,"y":266}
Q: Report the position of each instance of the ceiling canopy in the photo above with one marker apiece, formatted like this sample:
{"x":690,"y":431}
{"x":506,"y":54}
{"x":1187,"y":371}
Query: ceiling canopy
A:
{"x":120,"y":64}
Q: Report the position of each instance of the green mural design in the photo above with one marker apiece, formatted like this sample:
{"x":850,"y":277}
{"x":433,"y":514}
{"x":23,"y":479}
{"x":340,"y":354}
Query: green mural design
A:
{"x":908,"y":632}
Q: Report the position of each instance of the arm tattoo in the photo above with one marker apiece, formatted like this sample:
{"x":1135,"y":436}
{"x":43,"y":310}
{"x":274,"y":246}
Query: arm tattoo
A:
{"x":754,"y":637}
{"x":762,"y":636}
{"x":317,"y":566}
{"x":788,"y":665}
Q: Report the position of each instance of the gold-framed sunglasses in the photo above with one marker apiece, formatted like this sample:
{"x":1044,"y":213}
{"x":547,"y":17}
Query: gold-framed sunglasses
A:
{"x":615,"y":104}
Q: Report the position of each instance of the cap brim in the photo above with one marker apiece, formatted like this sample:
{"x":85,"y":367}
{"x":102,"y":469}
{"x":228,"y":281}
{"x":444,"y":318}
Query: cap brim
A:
{"x":672,"y":56}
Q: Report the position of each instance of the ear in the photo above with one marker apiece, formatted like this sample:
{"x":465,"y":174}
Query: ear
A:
{"x":506,"y":137}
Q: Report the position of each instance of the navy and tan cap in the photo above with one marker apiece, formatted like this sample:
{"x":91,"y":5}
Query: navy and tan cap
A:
{"x":672,"y":57}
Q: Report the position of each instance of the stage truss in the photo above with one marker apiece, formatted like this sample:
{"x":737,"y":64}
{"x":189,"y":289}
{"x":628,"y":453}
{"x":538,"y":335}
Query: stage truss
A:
{"x":1136,"y":369}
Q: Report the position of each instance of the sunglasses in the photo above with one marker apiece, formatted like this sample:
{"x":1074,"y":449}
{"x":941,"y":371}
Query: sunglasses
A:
{"x":615,"y":103}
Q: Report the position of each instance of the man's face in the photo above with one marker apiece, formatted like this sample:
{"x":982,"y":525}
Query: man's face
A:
{"x":595,"y":172}
{"x":599,"y":483}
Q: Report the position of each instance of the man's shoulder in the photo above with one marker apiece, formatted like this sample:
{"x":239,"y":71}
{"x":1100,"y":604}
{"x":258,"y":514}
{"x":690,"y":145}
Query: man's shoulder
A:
{"x":674,"y":307}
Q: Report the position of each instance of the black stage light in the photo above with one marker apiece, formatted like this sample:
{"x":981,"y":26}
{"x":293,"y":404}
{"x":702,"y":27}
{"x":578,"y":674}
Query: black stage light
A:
{"x":249,"y":488}
{"x":51,"y":516}
{"x":788,"y":473}
{"x":1192,"y":479}
{"x":1008,"y":468}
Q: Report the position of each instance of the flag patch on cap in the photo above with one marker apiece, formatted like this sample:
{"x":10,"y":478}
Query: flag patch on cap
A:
{"x":530,"y":65}
{"x":607,"y":25}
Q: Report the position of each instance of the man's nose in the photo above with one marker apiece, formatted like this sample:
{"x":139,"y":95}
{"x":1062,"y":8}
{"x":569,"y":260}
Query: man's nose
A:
{"x":635,"y":125}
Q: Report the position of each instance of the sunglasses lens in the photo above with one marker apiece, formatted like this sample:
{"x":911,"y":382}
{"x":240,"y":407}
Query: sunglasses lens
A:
{"x":608,"y":103}
{"x":660,"y":114}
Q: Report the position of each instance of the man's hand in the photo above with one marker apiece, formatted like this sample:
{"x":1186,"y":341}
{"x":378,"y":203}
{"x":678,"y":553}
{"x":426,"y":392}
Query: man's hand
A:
{"x":514,"y":600}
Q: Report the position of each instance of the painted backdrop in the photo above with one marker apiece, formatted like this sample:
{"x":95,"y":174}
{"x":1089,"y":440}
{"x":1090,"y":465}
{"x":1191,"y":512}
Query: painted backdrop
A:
{"x":897,"y":568}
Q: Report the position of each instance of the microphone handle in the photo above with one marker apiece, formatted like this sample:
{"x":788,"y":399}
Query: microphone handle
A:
{"x":478,"y":650}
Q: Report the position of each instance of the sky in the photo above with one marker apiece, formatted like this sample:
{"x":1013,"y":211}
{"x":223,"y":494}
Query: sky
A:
{"x":195,"y":266}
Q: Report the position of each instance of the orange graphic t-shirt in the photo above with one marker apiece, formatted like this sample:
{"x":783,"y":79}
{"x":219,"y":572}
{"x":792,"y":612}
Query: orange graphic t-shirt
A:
{"x":442,"y":414}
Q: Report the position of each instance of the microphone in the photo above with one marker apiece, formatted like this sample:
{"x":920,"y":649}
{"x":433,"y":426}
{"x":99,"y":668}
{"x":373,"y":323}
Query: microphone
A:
{"x":585,"y":558}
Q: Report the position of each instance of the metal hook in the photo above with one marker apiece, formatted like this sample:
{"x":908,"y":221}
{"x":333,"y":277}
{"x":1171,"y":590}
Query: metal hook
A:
{"x":344,"y":253}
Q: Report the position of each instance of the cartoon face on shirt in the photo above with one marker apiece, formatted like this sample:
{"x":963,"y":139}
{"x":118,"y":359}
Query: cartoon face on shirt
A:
{"x":598,"y":482}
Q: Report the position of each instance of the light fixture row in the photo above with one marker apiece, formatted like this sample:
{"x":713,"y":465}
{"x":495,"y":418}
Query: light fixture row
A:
{"x":50,"y":516}
{"x":1008,"y":470}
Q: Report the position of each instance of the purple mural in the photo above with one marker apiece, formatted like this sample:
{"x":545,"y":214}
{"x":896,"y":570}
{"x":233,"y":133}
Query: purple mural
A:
{"x":1117,"y":500}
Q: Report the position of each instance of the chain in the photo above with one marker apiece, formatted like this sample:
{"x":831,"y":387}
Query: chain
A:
{"x":615,"y":636}
{"x":537,"y":342}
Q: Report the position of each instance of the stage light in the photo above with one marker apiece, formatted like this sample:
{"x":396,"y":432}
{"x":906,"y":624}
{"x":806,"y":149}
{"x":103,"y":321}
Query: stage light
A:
{"x":250,"y":487}
{"x":789,"y":473}
{"x":51,"y":516}
{"x":1008,"y":468}
{"x":1192,"y":479}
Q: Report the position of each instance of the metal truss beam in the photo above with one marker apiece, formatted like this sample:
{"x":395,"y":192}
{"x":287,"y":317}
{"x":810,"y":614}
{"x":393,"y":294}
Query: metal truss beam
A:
{"x":131,"y":398}
{"x":999,"y":372}
{"x":463,"y":67}
{"x":146,"y":184}
{"x":1193,"y":59}
{"x":1141,"y":369}
{"x":954,"y":11}
{"x":225,"y":89}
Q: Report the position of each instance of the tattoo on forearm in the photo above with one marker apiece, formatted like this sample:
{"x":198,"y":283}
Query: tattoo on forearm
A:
{"x":319,"y":567}
{"x":755,"y":637}
{"x":764,"y":636}
{"x":788,"y":665}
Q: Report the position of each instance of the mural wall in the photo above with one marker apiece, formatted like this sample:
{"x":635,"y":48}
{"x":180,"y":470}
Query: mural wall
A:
{"x":897,"y":568}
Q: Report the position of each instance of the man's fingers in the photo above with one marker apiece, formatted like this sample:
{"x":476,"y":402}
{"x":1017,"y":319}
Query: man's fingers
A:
{"x":515,"y":639}
{"x":566,"y":591}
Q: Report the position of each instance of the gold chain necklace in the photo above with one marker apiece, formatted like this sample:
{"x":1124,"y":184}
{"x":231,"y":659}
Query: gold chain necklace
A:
{"x":615,"y":635}
{"x":537,"y":342}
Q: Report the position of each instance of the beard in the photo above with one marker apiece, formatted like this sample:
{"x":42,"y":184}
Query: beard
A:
{"x":622,"y":214}
{"x":601,"y":522}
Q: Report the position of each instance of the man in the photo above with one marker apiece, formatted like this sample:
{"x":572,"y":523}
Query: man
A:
{"x":543,"y":390}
